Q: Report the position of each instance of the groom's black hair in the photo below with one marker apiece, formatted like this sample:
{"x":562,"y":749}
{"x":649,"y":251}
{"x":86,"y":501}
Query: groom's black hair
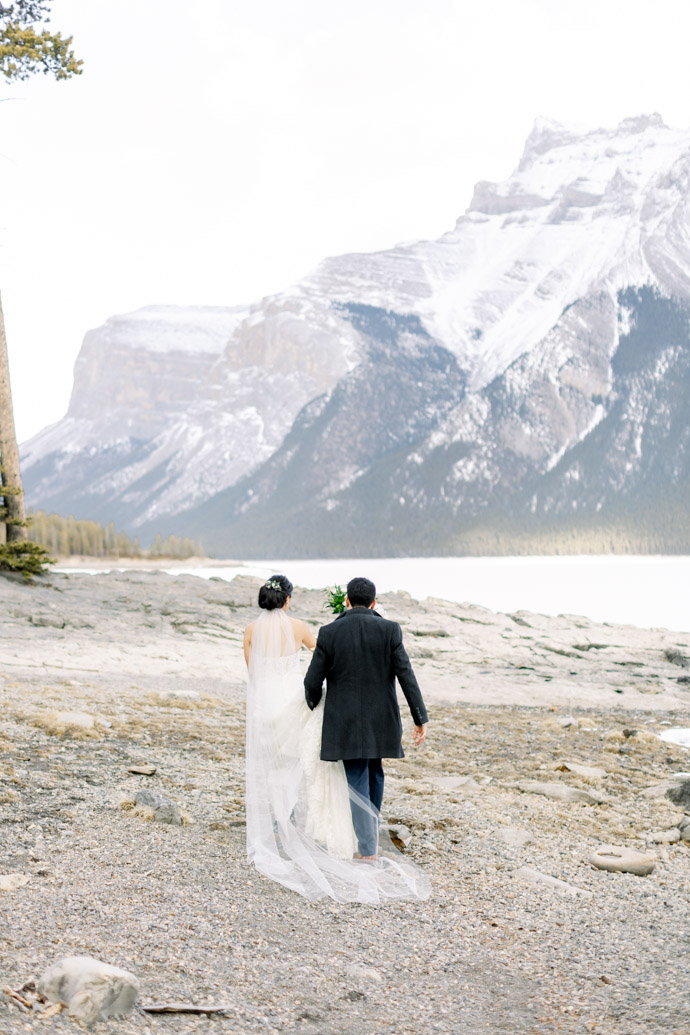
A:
{"x":361,"y":592}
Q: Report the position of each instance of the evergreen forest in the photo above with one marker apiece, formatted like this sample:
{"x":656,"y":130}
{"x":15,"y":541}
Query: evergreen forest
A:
{"x":69,"y":537}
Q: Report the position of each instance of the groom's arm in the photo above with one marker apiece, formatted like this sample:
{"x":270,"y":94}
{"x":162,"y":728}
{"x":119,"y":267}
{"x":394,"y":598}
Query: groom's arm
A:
{"x":407,"y":679}
{"x":316,"y":673}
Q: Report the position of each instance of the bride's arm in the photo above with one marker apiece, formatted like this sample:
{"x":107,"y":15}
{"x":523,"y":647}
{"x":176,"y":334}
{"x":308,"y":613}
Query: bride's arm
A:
{"x":304,"y":637}
{"x":247,"y":641}
{"x":308,"y":638}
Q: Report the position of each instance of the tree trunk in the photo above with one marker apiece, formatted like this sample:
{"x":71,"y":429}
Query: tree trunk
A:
{"x":11,"y":479}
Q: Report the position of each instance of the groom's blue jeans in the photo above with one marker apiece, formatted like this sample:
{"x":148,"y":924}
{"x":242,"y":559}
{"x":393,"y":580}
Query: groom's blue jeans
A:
{"x":365,"y":776}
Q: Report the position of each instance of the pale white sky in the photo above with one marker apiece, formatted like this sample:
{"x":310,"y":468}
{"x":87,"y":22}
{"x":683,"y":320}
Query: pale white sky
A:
{"x":215,"y":151}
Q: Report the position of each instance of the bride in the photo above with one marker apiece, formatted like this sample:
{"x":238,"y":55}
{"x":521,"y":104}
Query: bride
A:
{"x":299,"y":808}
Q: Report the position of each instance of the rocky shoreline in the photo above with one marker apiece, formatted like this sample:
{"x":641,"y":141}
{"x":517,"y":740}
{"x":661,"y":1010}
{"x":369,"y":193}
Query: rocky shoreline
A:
{"x":543,"y":747}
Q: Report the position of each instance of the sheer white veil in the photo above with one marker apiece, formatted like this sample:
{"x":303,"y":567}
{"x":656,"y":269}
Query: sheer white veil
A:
{"x":299,"y":823}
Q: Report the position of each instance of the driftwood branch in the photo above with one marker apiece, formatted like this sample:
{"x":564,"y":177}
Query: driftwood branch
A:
{"x":18,"y":1000}
{"x":185,"y":1008}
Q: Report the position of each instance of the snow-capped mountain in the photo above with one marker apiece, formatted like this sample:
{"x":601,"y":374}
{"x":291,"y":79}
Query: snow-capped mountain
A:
{"x":526,"y":374}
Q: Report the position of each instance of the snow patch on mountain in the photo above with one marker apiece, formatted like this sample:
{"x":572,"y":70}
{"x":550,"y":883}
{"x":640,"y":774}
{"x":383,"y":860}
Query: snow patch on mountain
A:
{"x":168,"y":328}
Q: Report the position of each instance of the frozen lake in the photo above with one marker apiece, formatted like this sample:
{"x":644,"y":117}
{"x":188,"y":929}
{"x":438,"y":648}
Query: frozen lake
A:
{"x":644,"y":591}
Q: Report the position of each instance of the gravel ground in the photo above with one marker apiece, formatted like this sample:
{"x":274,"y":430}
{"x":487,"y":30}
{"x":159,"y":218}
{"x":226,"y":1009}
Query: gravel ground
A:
{"x":180,"y":907}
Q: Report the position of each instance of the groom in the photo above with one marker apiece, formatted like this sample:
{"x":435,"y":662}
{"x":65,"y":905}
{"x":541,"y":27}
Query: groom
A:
{"x":359,"y":655}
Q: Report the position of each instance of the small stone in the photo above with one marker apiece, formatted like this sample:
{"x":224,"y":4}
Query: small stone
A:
{"x":559,"y":792}
{"x":567,"y":721}
{"x":664,"y":837}
{"x":142,"y":770}
{"x":454,"y":783}
{"x":676,"y":657}
{"x":532,"y":876}
{"x":675,"y":788}
{"x":679,"y":793}
{"x":12,"y":881}
{"x":92,"y":990}
{"x":678,"y":735}
{"x":589,"y":772}
{"x":617,"y":859}
{"x":357,"y":972}
{"x":396,"y":832}
{"x":657,"y":790}
{"x":684,"y":828}
{"x":183,"y":695}
{"x":164,"y":810}
{"x":516,"y":837}
{"x":81,"y":720}
{"x":52,"y":1011}
{"x":152,"y":799}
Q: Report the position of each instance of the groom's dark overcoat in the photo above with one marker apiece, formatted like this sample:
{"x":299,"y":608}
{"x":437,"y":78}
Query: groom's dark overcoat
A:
{"x":359,"y":655}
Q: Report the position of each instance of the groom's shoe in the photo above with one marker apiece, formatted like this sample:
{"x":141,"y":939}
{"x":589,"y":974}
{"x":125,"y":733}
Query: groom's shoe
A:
{"x":365,"y":858}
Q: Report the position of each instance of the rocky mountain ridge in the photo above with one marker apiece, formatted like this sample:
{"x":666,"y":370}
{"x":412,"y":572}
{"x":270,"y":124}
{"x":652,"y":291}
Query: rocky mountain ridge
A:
{"x":520,"y":378}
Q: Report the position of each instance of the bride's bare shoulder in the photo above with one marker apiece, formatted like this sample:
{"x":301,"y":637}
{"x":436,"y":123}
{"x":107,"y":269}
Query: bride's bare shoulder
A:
{"x":303,"y":633}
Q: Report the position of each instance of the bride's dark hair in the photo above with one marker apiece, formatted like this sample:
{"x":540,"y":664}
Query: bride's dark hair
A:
{"x":275,"y":592}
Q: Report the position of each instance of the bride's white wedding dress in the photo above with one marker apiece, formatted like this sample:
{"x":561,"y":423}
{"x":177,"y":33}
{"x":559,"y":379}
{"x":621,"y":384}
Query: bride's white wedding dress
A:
{"x":299,"y":809}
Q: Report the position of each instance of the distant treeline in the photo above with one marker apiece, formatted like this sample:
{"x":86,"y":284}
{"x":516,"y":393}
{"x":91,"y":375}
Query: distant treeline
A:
{"x":66,"y":536}
{"x":651,"y":530}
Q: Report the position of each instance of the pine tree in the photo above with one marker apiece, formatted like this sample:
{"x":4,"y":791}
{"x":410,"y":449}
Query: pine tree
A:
{"x":12,"y":513}
{"x":27,"y":48}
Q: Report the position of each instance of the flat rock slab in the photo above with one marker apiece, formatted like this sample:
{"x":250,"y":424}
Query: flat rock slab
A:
{"x":617,"y":859}
{"x":559,"y":792}
{"x":676,"y":788}
{"x":516,"y":837}
{"x":82,"y":720}
{"x":455,"y":783}
{"x":589,"y":772}
{"x":12,"y":881}
{"x":359,"y":972}
{"x":657,"y":790}
{"x":679,"y":793}
{"x":531,"y":876}
{"x":678,"y":735}
{"x":664,"y":837}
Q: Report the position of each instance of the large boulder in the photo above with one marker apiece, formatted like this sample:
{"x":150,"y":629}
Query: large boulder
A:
{"x":91,"y":990}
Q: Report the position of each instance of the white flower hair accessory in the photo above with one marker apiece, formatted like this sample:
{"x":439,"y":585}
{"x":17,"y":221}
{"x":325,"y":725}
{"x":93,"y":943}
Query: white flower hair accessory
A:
{"x":272,"y":584}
